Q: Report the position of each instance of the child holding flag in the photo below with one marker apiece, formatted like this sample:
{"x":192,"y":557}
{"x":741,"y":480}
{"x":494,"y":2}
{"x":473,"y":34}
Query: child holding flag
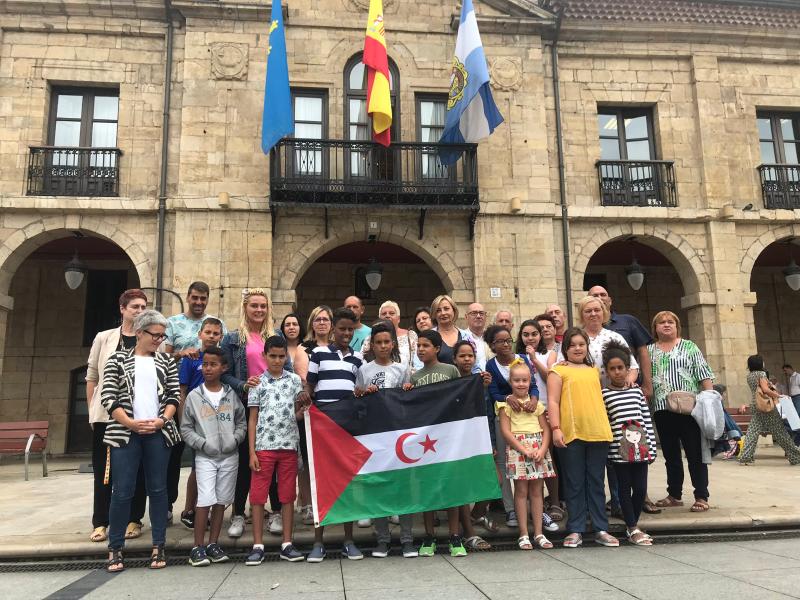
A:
{"x":382,"y":373}
{"x":428,"y":346}
{"x":528,"y":462}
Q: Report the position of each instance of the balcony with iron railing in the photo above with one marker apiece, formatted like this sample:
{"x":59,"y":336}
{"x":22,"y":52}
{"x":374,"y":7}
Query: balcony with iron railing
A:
{"x":331,"y":173}
{"x":637,"y":183}
{"x":780,"y":186}
{"x":73,"y":171}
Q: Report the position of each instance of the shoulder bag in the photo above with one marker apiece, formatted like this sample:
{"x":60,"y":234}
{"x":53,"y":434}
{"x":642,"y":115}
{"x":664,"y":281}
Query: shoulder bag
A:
{"x":764,"y":403}
{"x":681,"y":402}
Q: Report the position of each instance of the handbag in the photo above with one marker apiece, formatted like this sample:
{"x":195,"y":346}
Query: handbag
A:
{"x":764,"y":403}
{"x":681,"y":402}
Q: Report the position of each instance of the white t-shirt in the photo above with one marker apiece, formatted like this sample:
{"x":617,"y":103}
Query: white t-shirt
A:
{"x":794,"y":384}
{"x":145,"y":388}
{"x":213,"y":397}
{"x":540,"y":382}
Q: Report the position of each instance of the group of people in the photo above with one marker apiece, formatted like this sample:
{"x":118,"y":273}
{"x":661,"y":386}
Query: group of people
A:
{"x":565,"y":405}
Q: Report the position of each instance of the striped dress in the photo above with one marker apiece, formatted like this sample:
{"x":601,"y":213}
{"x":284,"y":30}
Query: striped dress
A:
{"x":624,"y":406}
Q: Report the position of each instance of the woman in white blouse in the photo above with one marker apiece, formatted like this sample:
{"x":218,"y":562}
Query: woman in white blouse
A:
{"x":592,"y":313}
{"x":406,"y":338}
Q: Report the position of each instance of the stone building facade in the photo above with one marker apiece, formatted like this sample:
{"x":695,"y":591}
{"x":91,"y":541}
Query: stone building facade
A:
{"x":708,"y":89}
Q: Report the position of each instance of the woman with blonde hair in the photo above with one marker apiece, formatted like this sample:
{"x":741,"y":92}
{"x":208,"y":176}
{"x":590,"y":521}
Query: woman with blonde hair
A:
{"x":445,"y":312}
{"x":592,"y":314}
{"x":319,"y":331}
{"x":244,"y":352}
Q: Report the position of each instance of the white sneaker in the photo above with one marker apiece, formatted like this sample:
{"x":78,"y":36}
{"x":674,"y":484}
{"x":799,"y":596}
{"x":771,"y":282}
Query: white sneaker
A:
{"x":276,"y":523}
{"x":237,"y":526}
{"x":394,"y":520}
{"x":365,"y":522}
{"x":308,"y":515}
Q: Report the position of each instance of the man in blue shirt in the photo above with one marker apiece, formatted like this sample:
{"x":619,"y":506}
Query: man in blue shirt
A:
{"x":362,"y":331}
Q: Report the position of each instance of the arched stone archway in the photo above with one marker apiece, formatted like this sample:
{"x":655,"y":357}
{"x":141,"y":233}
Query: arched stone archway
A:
{"x":683,"y":256}
{"x":757,"y":247}
{"x":19,"y":245}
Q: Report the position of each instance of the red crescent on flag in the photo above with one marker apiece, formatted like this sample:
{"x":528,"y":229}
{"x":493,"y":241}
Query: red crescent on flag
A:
{"x":398,"y":448}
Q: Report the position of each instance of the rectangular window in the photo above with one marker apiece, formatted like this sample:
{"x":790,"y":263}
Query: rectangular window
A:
{"x":626,"y":134}
{"x":310,"y":123}
{"x":779,"y":137}
{"x":85,"y":118}
{"x":431,"y":113}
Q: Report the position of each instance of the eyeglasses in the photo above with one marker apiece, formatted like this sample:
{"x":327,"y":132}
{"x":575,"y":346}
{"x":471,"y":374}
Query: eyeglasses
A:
{"x":321,"y":320}
{"x":505,"y":342}
{"x":476,"y":313}
{"x":157,"y":337}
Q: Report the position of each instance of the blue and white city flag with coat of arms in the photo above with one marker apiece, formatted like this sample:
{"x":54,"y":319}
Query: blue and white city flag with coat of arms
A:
{"x":471,"y":112}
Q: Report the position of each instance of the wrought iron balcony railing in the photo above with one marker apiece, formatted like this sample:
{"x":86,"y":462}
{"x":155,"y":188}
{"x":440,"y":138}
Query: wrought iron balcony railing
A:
{"x":637,"y":183}
{"x":406,"y":175}
{"x":71,"y":171}
{"x":780,"y":186}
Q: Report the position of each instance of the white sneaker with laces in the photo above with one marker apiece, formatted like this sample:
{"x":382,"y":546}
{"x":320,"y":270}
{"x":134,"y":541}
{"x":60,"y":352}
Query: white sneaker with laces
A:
{"x":365,"y":522}
{"x":276,"y":523}
{"x":237,"y":526}
{"x":394,"y":520}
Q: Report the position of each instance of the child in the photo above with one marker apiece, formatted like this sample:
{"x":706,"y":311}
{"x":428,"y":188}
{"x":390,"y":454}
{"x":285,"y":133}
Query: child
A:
{"x":273,"y":438}
{"x":528,"y":462}
{"x":382,"y":373}
{"x":465,"y":361}
{"x":190,"y":375}
{"x":576,"y":404}
{"x":213,"y":425}
{"x":432,"y":371}
{"x":331,"y":376}
{"x":634,"y":445}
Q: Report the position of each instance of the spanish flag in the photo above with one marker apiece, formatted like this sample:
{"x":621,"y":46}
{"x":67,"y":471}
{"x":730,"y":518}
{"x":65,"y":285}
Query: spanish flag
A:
{"x":379,"y":103}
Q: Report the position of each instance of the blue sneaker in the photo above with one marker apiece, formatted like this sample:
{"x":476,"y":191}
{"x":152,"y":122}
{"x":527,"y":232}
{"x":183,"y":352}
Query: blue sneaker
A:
{"x":317,"y":553}
{"x":198,"y":558}
{"x":351,"y":552}
{"x":256,"y":557}
{"x":291,"y":554}
{"x":216,"y":554}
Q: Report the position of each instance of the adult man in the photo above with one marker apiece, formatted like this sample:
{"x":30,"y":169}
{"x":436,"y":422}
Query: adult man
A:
{"x":182,"y":341}
{"x":505,"y":319}
{"x":476,"y":324}
{"x":793,"y":388}
{"x":362,"y":331}
{"x":554,"y":312}
{"x":183,"y":329}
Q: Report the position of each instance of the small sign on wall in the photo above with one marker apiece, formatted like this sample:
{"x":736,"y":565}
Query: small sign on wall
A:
{"x":494,"y":292}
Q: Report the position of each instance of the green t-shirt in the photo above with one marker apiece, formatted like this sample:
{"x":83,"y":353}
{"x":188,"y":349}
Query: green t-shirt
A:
{"x":435,"y":374}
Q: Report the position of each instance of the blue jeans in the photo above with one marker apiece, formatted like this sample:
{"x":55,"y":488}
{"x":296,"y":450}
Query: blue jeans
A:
{"x":583,"y":467}
{"x":152,"y":452}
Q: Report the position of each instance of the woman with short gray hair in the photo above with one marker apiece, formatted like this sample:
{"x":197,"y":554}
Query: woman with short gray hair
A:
{"x":140,"y":393}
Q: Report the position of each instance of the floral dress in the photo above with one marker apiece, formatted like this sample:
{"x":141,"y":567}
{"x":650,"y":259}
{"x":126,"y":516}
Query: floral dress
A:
{"x":770,"y":422}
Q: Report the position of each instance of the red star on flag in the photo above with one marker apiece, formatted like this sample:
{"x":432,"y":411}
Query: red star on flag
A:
{"x":428,"y":444}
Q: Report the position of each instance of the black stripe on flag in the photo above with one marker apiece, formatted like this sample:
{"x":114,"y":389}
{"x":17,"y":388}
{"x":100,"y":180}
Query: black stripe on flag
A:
{"x":395,"y":409}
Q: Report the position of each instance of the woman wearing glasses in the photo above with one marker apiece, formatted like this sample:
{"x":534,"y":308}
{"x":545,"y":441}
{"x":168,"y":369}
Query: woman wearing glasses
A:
{"x":319,"y":331}
{"x":140,"y":392}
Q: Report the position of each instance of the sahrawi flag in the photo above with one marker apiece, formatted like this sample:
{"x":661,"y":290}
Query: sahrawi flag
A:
{"x":472,"y":114}
{"x":398,"y":452}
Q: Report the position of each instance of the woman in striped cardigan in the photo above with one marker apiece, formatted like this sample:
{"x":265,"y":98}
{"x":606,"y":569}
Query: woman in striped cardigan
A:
{"x":140,"y":393}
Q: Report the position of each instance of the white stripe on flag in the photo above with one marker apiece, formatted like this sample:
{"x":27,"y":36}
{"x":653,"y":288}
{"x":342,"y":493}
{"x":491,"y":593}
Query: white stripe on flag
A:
{"x":468,"y":37}
{"x":454,"y":440}
{"x":473,"y":123}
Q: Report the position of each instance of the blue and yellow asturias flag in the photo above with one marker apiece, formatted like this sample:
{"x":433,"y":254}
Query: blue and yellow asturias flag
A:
{"x":379,"y":103}
{"x":277,"y":120}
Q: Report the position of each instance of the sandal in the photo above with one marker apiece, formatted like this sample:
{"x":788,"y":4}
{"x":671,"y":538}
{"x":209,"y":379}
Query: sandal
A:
{"x":133,"y":530}
{"x":157,"y":558}
{"x":556,"y":512}
{"x":542,"y":542}
{"x":699,"y":505}
{"x":486,"y":523}
{"x":650,"y":508}
{"x":573,"y":540}
{"x":116,"y":562}
{"x":476,"y":542}
{"x":524,"y":543}
{"x":639,"y":537}
{"x":669,"y":502}
{"x":99,"y":534}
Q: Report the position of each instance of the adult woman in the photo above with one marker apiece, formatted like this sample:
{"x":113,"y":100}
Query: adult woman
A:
{"x":406,"y":338}
{"x":445,"y":312}
{"x":141,"y":393}
{"x":762,"y":422}
{"x":244,"y":351}
{"x":592,"y":313}
{"x":548,"y":332}
{"x":678,"y":365}
{"x":422,"y":319}
{"x":294,"y":332}
{"x":319,"y":331}
{"x":581,"y":434}
{"x":131,"y":304}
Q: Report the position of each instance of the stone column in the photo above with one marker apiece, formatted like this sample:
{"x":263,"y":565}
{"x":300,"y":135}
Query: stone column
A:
{"x":6,"y":306}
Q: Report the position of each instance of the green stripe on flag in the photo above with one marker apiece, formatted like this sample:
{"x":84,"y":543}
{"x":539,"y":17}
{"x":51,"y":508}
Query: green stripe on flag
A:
{"x":408,"y":491}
